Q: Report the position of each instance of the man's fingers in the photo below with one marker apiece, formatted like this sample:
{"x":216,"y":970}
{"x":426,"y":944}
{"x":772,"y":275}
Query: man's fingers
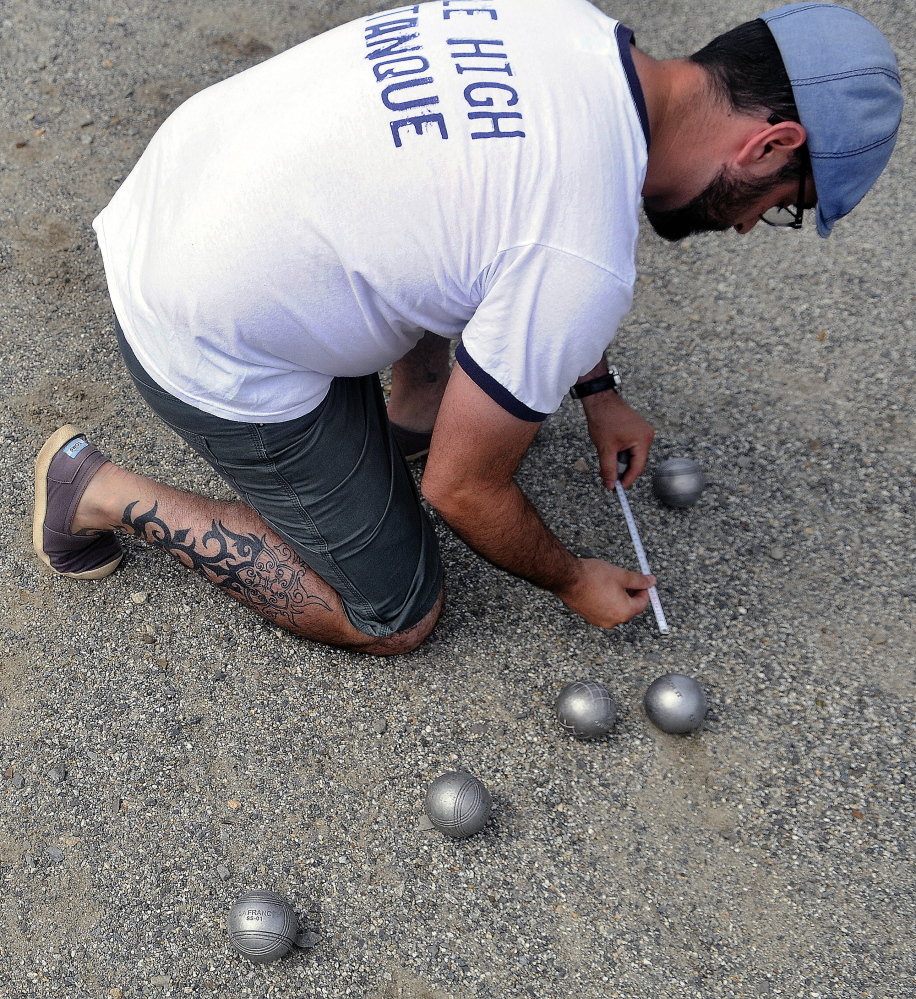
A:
{"x":607,"y":595}
{"x":638,"y":458}
{"x":640,"y":601}
{"x":608,"y":468}
{"x":613,"y":464}
{"x":636,"y":581}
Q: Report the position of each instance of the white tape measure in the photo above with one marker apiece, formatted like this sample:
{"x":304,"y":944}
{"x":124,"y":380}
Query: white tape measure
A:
{"x":641,"y":557}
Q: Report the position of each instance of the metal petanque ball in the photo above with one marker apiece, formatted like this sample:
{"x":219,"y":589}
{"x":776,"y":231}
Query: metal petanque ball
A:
{"x":678,"y":482}
{"x":458,"y":804}
{"x":262,"y":926}
{"x":585,"y":709}
{"x":676,"y":703}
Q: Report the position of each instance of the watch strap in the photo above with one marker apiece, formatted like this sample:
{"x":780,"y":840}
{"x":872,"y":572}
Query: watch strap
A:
{"x":601,"y":383}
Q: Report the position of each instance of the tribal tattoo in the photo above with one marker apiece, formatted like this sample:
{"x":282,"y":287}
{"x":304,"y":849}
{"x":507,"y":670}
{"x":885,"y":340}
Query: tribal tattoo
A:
{"x":269,"y":579}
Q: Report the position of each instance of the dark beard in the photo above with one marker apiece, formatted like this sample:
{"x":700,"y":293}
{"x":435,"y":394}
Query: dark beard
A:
{"x":713,"y":210}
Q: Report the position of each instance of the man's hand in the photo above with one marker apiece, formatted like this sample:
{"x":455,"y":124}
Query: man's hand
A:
{"x":469,"y":478}
{"x":605,"y":594}
{"x":614,"y":427}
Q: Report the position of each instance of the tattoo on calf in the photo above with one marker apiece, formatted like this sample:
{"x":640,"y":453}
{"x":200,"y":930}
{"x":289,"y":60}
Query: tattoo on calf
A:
{"x":269,"y":579}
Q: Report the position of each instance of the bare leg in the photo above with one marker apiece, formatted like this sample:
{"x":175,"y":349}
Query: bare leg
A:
{"x":230,"y":546}
{"x":418,"y":382}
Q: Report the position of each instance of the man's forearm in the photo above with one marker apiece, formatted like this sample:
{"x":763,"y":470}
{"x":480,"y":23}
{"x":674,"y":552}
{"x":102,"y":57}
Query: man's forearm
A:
{"x":506,"y":529}
{"x":470,"y":479}
{"x":500,"y":524}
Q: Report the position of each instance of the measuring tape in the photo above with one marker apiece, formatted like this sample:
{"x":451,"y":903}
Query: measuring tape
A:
{"x":641,"y":557}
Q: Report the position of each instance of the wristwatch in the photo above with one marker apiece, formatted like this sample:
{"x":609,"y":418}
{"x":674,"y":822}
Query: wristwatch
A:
{"x":601,"y":383}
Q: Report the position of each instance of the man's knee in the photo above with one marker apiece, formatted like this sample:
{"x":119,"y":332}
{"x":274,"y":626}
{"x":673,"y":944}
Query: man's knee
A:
{"x":406,"y":641}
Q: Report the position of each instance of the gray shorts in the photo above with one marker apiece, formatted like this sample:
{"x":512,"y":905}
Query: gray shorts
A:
{"x":334,"y":486}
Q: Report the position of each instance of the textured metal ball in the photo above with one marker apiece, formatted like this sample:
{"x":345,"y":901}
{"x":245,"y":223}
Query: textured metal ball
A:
{"x":679,"y":482}
{"x":458,"y":804}
{"x":585,"y":709}
{"x":676,"y":703}
{"x":262,"y":926}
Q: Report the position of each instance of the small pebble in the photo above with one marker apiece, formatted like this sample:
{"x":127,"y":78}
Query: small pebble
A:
{"x":223,"y":872}
{"x":777,"y":553}
{"x":139,"y":597}
{"x":380,"y":726}
{"x":580,"y":465}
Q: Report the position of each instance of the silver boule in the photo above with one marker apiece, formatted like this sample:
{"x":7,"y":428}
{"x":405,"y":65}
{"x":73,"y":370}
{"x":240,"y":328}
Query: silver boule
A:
{"x":458,"y":804}
{"x":262,"y":926}
{"x":676,"y":703}
{"x":678,"y":482}
{"x":585,"y":709}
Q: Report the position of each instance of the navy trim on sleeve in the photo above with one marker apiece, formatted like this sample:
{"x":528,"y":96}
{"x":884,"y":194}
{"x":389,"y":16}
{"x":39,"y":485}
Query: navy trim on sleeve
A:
{"x":624,"y":41}
{"x":494,"y":390}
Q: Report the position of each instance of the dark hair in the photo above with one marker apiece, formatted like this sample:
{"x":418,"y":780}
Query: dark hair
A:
{"x":746,"y":69}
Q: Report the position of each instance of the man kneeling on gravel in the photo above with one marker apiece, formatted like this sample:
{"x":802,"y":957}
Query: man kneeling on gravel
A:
{"x":453,"y":170}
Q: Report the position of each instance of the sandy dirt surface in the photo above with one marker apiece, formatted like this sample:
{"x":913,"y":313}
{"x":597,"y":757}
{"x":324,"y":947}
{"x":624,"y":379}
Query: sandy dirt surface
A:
{"x":162,"y":750}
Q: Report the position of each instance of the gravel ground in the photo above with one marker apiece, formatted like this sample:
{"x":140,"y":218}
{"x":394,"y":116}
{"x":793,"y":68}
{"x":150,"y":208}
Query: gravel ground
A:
{"x":162,"y":750}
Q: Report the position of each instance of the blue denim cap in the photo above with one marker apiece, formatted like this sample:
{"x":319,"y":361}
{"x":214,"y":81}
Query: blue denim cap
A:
{"x":847,"y":90}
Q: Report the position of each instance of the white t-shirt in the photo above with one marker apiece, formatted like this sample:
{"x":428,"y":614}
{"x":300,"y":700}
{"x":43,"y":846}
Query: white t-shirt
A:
{"x":469,"y":167}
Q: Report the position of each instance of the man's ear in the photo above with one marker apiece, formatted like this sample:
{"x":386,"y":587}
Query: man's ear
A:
{"x":770,"y":148}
